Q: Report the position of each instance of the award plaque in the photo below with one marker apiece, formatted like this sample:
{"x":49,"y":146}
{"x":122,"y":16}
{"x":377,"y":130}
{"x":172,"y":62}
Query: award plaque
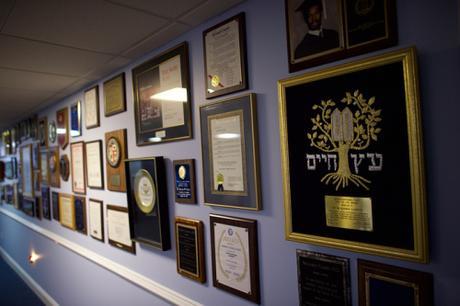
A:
{"x":94,"y":171}
{"x":96,"y":220}
{"x":235,"y":259}
{"x":190,"y":249}
{"x":52,"y":133}
{"x":64,"y":166}
{"x":75,"y":119}
{"x":324,"y":280}
{"x":53,"y":161}
{"x":27,"y":176}
{"x":92,"y":108}
{"x":77,"y":155}
{"x":118,"y":226}
{"x":80,"y":214}
{"x":28,"y":206}
{"x":114,"y":95}
{"x":224,"y":48}
{"x":46,"y":209}
{"x":344,"y":141}
{"x":116,"y":152}
{"x":147,"y":201}
{"x":229,"y":145}
{"x":44,"y":166}
{"x":67,"y":211}
{"x":55,"y":205}
{"x":184,"y":181}
{"x":62,"y":130}
{"x":43,"y":132}
{"x":385,"y":285}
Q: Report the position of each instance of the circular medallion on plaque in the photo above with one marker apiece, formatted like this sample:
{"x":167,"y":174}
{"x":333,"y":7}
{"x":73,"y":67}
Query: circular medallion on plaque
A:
{"x":215,"y":81}
{"x":144,"y":191}
{"x":64,"y":167}
{"x":52,"y":131}
{"x":182,"y":172}
{"x":113,"y":153}
{"x":53,"y":163}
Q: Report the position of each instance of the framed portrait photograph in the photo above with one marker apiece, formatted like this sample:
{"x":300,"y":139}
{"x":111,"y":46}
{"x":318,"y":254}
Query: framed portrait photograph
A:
{"x":94,"y":168}
{"x":67,"y":210}
{"x":162,"y":99}
{"x":55,"y":205}
{"x":80,"y":214}
{"x":43,"y":132}
{"x":184,"y":181}
{"x":118,"y":228}
{"x":96,"y":219}
{"x":91,"y":103}
{"x":114,"y":95}
{"x":77,"y":155}
{"x":148,"y":202}
{"x":343,"y":140}
{"x":116,"y":151}
{"x":229,"y":145}
{"x":53,"y":163}
{"x":224,"y":46}
{"x":383,"y":285}
{"x":190,"y":256}
{"x":62,"y":127}
{"x":75,"y":119}
{"x":322,"y":31}
{"x":235,"y":259}
{"x":46,"y":207}
{"x":27,"y":175}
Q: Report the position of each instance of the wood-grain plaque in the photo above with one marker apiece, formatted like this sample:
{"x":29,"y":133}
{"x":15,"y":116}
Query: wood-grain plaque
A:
{"x":116,"y":152}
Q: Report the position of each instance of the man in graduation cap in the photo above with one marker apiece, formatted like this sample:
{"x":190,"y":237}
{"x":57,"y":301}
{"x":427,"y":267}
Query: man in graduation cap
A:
{"x":317,"y":38}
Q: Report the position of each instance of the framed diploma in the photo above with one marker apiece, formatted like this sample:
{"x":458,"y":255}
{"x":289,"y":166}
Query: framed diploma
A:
{"x":46,"y":207}
{"x":116,"y":151}
{"x":342,"y":139}
{"x":53,"y":162}
{"x":64,"y":167}
{"x":55,"y":205}
{"x":28,"y":206}
{"x":43,"y":132}
{"x":224,"y":48}
{"x":162,"y":100}
{"x":184,"y":181}
{"x":62,"y":130}
{"x":190,"y":249}
{"x":67,"y":210}
{"x":44,"y":166}
{"x":235,"y":259}
{"x":118,"y":228}
{"x":80,"y":214}
{"x":77,"y":152}
{"x":96,"y":220}
{"x":27,"y":175}
{"x":230,"y":153}
{"x":92,"y":107}
{"x":114,"y":95}
{"x":383,"y":285}
{"x":75,"y":119}
{"x":324,"y":280}
{"x":148,"y":202}
{"x":94,"y":171}
{"x":52,"y":132}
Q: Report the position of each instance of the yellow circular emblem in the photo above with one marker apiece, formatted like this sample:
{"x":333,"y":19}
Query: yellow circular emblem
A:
{"x":215,"y":80}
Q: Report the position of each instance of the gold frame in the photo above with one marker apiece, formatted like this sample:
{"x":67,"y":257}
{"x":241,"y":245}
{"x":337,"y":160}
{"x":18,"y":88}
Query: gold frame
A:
{"x":72,"y":225}
{"x":407,"y":57}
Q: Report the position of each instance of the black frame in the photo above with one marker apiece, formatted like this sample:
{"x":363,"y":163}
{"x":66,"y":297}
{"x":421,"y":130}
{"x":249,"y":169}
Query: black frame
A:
{"x":100,"y":203}
{"x":46,"y":207}
{"x":80,"y":214}
{"x":185,"y":189}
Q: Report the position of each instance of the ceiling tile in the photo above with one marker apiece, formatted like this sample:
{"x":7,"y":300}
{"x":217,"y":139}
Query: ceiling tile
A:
{"x":207,"y":10}
{"x":168,"y":9}
{"x":33,"y":80}
{"x":23,"y":54}
{"x":156,"y":40}
{"x":88,"y":24}
{"x":5,"y":8}
{"x":107,"y":68}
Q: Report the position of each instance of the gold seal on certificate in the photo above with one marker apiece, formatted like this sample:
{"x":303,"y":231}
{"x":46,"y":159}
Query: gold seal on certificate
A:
{"x":144,"y":191}
{"x":113,"y":152}
{"x":215,"y":81}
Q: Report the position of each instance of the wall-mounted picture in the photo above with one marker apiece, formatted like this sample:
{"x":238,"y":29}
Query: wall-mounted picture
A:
{"x":80,"y":214}
{"x":75,"y":119}
{"x":91,"y":103}
{"x":55,"y":205}
{"x":184,"y":181}
{"x":162,"y":99}
{"x":44,"y":166}
{"x":96,"y":219}
{"x":118,"y":228}
{"x":351,"y":134}
{"x":114,"y":95}
{"x":94,"y":168}
{"x":77,"y":155}
{"x":27,"y":171}
{"x":62,"y":127}
{"x":67,"y":210}
{"x":64,"y":167}
{"x":53,"y":162}
{"x":52,"y":132}
{"x":46,"y":207}
{"x":43,"y":132}
{"x":116,"y":151}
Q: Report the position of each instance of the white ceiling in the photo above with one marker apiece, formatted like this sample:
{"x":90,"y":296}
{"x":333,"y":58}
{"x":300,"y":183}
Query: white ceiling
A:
{"x":51,"y":48}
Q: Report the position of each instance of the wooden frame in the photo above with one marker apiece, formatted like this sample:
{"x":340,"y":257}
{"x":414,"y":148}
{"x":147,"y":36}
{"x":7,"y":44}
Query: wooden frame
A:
{"x":75,"y":119}
{"x":52,"y":132}
{"x":92,"y":118}
{"x":114,"y":95}
{"x":62,"y":127}
{"x":161,"y":86}
{"x":80,"y":215}
{"x":120,"y":210}
{"x":96,"y":225}
{"x":64,"y":167}
{"x":190,"y":248}
{"x":184,"y":181}
{"x":54,"y":165}
{"x":94,"y":167}
{"x":242,"y":253}
{"x":78,"y":157}
{"x":67,"y":211}
{"x":231,"y":75}
{"x":231,"y":122}
{"x":116,"y":150}
{"x":335,"y":142}
{"x":44,"y":167}
{"x":27,"y":172}
{"x":43,"y":132}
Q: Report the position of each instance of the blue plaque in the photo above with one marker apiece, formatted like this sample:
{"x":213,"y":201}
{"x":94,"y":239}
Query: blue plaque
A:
{"x":184,"y":179}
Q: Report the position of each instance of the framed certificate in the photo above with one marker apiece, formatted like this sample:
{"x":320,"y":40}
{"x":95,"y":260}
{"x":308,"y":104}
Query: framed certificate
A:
{"x":114,"y":95}
{"x":148,"y":202}
{"x":46,"y":207}
{"x":162,"y":99}
{"x":118,"y":228}
{"x":346,"y":146}
{"x":64,"y":167}
{"x":230,"y":153}
{"x":67,"y":210}
{"x":184,"y":181}
{"x":75,"y":119}
{"x":77,"y":151}
{"x":190,"y":249}
{"x":224,"y":48}
{"x":44,"y":166}
{"x":80,"y":214}
{"x":92,"y":107}
{"x":43,"y":132}
{"x":94,"y":171}
{"x":382,"y":285}
{"x":27,"y":176}
{"x":96,"y":220}
{"x":53,"y":162}
{"x":116,"y":151}
{"x":55,"y":205}
{"x":62,"y":119}
{"x":235,"y":259}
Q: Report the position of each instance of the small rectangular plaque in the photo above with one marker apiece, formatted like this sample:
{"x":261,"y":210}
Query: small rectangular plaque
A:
{"x":349,"y":212}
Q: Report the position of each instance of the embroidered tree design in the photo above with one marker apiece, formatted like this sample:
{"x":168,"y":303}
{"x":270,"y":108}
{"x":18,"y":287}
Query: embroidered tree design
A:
{"x":336,"y":131}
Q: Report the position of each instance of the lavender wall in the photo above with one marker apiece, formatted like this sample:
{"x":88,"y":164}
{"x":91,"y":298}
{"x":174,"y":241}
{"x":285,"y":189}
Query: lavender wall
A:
{"x":433,"y":27}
